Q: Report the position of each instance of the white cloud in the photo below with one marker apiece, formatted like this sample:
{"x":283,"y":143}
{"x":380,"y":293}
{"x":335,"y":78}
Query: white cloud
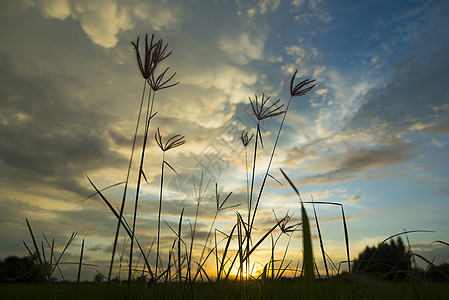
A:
{"x":243,"y":47}
{"x":58,"y":9}
{"x":302,"y":56}
{"x":310,"y":11}
{"x":230,"y":80}
{"x":321,"y":92}
{"x":268,"y":5}
{"x":348,"y":98}
{"x":298,"y":3}
{"x":102,"y":20}
{"x":160,"y":16}
{"x":318,"y":71}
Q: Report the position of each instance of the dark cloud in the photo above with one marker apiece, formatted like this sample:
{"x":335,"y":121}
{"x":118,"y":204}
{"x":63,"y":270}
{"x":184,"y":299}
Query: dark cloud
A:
{"x":354,"y":163}
{"x":49,"y":141}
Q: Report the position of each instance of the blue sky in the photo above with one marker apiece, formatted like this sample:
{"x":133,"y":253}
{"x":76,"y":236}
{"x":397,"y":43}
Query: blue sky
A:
{"x":373,"y":134}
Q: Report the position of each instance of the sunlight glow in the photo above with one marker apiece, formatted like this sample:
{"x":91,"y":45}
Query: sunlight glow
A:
{"x":254,"y":270}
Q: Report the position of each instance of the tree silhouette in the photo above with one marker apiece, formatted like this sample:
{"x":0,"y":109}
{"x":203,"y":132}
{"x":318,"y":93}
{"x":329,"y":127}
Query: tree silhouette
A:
{"x":14,"y":269}
{"x":389,"y":261}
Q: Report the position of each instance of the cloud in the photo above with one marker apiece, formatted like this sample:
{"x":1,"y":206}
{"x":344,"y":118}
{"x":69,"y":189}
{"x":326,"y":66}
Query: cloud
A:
{"x":263,"y":7}
{"x":58,"y":9}
{"x":373,"y":120}
{"x":161,"y":15}
{"x":350,"y":165}
{"x":357,"y":196}
{"x":103,"y":20}
{"x":302,"y":56}
{"x":243,"y":47}
{"x":39,"y":144}
{"x":305,"y":13}
{"x":321,"y":92}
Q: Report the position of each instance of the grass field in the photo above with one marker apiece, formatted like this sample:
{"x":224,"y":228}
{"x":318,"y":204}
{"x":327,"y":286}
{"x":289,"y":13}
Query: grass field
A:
{"x":333,"y":289}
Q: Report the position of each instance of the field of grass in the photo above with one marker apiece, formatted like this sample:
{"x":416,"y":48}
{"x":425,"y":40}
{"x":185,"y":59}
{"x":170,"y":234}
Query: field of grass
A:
{"x":286,"y":289}
{"x":183,"y":273}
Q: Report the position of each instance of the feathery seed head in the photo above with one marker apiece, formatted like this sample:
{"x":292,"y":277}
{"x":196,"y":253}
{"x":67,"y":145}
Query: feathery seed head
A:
{"x":301,"y":88}
{"x":173,"y":142}
{"x":154,"y":53}
{"x":245,"y":139}
{"x":158,"y":83}
{"x":261,"y":112}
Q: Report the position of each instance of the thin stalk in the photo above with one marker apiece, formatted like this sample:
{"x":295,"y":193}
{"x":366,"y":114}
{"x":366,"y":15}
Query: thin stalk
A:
{"x":269,"y":163}
{"x":179,"y":271}
{"x":253,"y":172}
{"x":189,"y":255}
{"x":321,"y":240}
{"x":159,"y":213}
{"x":199,"y":197}
{"x":42,"y":263}
{"x":205,"y":245}
{"x":159,"y":224}
{"x":345,"y":227}
{"x":79,"y":271}
{"x":248,"y":232}
{"x":122,"y":207}
{"x":247,"y":180}
{"x":139,"y":179}
{"x":249,"y":211}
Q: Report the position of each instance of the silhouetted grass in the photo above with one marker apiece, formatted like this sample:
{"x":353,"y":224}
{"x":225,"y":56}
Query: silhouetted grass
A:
{"x":186,"y":275}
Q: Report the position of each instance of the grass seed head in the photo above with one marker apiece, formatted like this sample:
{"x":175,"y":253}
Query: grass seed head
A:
{"x":261,"y":112}
{"x":173,"y":142}
{"x":302,"y":87}
{"x":159,"y":83}
{"x":245,"y":139}
{"x":154,"y":53}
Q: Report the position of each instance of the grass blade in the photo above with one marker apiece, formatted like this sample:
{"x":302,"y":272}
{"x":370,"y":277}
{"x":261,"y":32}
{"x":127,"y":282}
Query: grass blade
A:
{"x":79,"y":271}
{"x":307,"y":256}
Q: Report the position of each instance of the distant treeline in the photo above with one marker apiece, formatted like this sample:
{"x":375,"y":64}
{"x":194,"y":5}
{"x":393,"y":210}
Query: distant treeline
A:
{"x":15,"y":269}
{"x":390,"y":261}
{"x":386,"y":261}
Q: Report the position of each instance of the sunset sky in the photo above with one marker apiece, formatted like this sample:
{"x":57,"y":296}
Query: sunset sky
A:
{"x":373,"y":134}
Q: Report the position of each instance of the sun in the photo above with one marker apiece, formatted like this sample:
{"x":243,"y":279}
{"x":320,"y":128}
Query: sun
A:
{"x":254,"y":270}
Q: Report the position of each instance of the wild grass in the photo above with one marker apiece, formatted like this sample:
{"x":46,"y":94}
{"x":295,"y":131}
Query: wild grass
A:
{"x":186,"y":272}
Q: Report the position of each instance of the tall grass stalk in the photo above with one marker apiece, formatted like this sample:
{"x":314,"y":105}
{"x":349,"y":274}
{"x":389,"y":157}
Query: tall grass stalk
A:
{"x":295,"y":91}
{"x":47,"y":266}
{"x":323,"y":253}
{"x":173,"y":142}
{"x":345,"y":227}
{"x":122,"y":206}
{"x":153,"y":54}
{"x":78,"y":278}
{"x":219,"y":207}
{"x":149,"y":115}
{"x":159,"y":215}
{"x":308,"y":263}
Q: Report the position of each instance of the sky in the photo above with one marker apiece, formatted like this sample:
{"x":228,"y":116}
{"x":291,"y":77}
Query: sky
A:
{"x":373,"y":135}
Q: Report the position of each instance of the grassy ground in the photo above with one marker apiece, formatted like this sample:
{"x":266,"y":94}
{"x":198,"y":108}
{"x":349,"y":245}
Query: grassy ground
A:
{"x":333,"y":289}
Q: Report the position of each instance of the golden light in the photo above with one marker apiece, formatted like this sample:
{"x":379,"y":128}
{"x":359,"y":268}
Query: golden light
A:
{"x":254,"y":270}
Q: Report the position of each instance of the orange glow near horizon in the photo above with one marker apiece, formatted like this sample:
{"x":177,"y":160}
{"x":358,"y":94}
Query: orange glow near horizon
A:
{"x":255,"y":270}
